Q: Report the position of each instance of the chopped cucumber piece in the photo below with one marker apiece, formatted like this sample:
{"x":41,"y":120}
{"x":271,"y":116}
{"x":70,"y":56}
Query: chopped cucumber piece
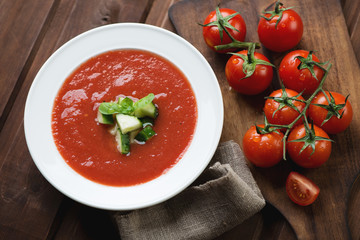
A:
{"x":105,"y":119}
{"x":149,"y":110}
{"x":123,"y":142}
{"x":145,"y":134}
{"x":146,"y":121}
{"x":132,"y":135}
{"x":127,"y":123}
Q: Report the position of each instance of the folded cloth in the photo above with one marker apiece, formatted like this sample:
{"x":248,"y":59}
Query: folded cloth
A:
{"x":222,"y":197}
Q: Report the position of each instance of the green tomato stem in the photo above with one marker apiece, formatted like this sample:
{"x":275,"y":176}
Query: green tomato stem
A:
{"x":221,"y":22}
{"x":303,"y":113}
{"x":251,"y":53}
{"x":277,"y":5}
{"x":236,"y":44}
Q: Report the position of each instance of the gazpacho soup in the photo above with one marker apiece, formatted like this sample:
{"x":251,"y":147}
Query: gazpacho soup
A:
{"x":124,"y":117}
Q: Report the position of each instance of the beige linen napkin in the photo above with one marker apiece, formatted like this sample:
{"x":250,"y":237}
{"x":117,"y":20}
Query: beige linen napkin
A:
{"x":221,"y":198}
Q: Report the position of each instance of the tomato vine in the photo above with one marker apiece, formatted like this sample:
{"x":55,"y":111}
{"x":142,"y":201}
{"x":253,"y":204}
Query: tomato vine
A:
{"x":309,"y":132}
{"x":248,"y":67}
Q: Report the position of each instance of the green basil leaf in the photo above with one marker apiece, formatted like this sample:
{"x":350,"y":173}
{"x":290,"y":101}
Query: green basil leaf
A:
{"x":144,"y":101}
{"x":109,"y":108}
{"x":127,"y":106}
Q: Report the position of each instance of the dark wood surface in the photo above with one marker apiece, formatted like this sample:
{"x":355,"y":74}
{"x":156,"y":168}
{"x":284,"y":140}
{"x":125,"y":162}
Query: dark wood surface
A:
{"x":351,"y":13}
{"x":30,"y":208}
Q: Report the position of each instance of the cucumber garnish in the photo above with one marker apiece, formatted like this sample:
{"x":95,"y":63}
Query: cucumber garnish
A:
{"x":131,"y":120}
{"x":145,"y":134}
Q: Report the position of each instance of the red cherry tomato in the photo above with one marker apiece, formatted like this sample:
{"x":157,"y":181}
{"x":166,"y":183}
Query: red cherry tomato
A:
{"x":299,"y":79}
{"x":286,"y":114}
{"x":263,"y":150}
{"x":211,"y":33}
{"x":308,"y":158}
{"x":334,"y":124}
{"x":301,"y":190}
{"x":256,"y":83}
{"x":283,"y":36}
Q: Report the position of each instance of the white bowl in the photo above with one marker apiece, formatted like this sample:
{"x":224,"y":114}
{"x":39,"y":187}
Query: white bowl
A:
{"x":39,"y":105}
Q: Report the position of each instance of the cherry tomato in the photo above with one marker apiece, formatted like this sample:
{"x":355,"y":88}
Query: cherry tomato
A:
{"x":281,"y":36}
{"x":300,"y":79}
{"x":308,"y":157}
{"x":256,"y":83}
{"x":301,"y":190}
{"x":211,"y":34}
{"x":319,"y":114}
{"x":263,"y":150}
{"x":286,"y":114}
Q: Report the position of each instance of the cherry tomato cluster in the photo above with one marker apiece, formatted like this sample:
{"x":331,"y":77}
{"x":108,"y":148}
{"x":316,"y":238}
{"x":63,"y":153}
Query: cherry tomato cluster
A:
{"x":294,"y":126}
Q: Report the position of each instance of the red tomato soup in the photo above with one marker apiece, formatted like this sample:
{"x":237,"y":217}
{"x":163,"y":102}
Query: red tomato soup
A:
{"x":90,"y":149}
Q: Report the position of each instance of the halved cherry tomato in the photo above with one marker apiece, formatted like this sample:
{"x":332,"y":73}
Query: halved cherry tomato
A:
{"x":296,"y":75}
{"x":280,"y":36}
{"x":339,"y":112}
{"x":212,"y":34}
{"x":308,"y":157}
{"x":256,"y":83}
{"x":301,"y":190}
{"x":278,"y":111}
{"x":263,"y":150}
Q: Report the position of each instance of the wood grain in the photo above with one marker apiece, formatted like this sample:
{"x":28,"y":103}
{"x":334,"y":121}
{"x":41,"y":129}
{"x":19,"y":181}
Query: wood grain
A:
{"x":336,"y":176}
{"x":351,"y":11}
{"x":352,"y":16}
{"x":266,"y":225}
{"x":158,"y":15}
{"x":355,"y":40}
{"x":17,"y":40}
{"x":85,"y":223}
{"x":23,"y":191}
{"x":354,"y":209}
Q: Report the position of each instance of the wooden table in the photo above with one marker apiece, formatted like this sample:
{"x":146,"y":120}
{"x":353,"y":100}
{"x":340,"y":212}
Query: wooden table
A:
{"x":30,"y":208}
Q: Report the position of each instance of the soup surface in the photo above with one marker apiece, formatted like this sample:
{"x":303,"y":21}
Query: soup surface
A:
{"x":90,"y":149}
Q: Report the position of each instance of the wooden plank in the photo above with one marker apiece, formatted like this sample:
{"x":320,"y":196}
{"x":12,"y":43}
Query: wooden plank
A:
{"x":326,"y":217}
{"x":351,"y":11}
{"x":354,"y":209}
{"x":355,"y":39}
{"x":82,"y":222}
{"x":24,"y":193}
{"x":158,"y":14}
{"x":21,"y":194}
{"x":266,"y":225}
{"x":18,"y":34}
